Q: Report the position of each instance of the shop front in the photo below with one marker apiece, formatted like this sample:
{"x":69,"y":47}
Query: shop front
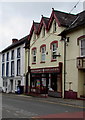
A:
{"x":47,"y":81}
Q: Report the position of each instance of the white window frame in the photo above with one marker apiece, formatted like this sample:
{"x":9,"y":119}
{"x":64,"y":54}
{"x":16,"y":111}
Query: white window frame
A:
{"x":18,"y":52}
{"x":34,"y":55}
{"x":12,"y":68}
{"x":82,"y":48}
{"x":43,"y":54}
{"x":18,"y":67}
{"x":54,"y":51}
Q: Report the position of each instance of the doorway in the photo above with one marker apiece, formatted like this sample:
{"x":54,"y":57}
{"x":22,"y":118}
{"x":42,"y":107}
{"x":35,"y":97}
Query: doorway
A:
{"x":11,"y":84}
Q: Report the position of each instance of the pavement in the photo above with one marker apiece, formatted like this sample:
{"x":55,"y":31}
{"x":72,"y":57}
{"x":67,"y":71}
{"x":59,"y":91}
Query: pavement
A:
{"x":69,"y":102}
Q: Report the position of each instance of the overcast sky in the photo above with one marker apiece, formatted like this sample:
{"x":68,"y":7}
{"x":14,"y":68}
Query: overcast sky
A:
{"x":16,"y":17}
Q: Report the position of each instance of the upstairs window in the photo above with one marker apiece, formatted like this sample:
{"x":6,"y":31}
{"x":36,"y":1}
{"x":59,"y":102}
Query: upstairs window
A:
{"x":18,"y":52}
{"x":81,"y":43}
{"x":82,"y":47}
{"x":18,"y":67}
{"x":34,"y":36}
{"x":12,"y":68}
{"x":53,"y":47}
{"x":43,"y":53}
{"x":7,"y":56}
{"x":54,"y":26}
{"x":43,"y":31}
{"x":12,"y":54}
{"x":7,"y":69}
{"x":3,"y":69}
{"x":34,"y":55}
{"x":3,"y":57}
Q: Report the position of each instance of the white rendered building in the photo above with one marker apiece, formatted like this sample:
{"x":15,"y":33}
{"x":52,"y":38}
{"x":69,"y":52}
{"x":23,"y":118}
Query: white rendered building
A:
{"x":13,"y":66}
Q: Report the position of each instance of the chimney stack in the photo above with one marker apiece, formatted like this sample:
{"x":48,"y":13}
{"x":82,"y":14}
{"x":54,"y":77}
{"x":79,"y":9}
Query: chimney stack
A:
{"x":14,"y":40}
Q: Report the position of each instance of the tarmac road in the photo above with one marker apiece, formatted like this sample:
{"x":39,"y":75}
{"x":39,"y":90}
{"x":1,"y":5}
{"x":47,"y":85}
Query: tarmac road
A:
{"x":19,"y":106}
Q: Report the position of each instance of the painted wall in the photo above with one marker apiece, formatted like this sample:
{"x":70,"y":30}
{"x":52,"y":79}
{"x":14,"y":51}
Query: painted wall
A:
{"x":47,"y":39}
{"x":22,"y":65}
{"x":72,"y":73}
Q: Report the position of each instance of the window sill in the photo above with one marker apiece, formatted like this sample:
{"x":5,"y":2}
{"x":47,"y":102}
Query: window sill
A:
{"x":53,"y":60}
{"x":33,"y":63}
{"x":42,"y":62}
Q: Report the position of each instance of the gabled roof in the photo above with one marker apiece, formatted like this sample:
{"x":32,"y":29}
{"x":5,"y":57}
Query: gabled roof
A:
{"x":44,"y":22}
{"x":13,"y":45}
{"x":34,"y":28}
{"x":62,"y":18}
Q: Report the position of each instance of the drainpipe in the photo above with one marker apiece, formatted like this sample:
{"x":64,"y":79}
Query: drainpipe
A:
{"x":64,"y":64}
{"x":28,"y":69}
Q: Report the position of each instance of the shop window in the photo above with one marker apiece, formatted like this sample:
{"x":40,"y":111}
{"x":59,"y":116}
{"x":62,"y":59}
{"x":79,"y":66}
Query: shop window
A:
{"x":18,"y":52}
{"x":34,"y":55}
{"x":54,"y":46}
{"x":82,"y":47}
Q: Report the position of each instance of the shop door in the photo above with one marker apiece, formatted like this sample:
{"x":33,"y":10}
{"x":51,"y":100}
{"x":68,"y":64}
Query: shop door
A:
{"x":54,"y":81}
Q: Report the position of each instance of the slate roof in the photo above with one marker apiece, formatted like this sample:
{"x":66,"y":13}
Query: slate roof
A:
{"x":13,"y":45}
{"x":78,"y":21}
{"x":65,"y":19}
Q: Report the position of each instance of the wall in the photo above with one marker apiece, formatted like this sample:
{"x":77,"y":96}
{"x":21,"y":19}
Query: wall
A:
{"x":72,"y":73}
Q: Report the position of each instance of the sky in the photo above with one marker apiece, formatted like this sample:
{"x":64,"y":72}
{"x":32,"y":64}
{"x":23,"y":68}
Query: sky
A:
{"x":16,"y":17}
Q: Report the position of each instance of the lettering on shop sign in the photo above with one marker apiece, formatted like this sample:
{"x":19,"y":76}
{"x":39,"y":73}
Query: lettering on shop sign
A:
{"x":45,"y":70}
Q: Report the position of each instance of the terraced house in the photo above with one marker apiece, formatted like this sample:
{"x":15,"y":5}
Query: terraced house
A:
{"x":53,"y":56}
{"x":13,"y":66}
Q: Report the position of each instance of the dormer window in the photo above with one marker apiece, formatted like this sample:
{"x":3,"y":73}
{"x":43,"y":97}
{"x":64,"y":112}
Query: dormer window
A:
{"x":54,"y":26}
{"x":34,"y":38}
{"x":43,"y":31}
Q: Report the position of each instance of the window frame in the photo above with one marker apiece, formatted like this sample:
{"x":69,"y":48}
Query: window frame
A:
{"x":34,"y":55}
{"x":41,"y":47}
{"x":18,"y":52}
{"x":3,"y":57}
{"x":51,"y":47}
{"x":82,"y":48}
{"x":12,"y":68}
{"x":18,"y":67}
{"x":12,"y":54}
{"x":7,"y":56}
